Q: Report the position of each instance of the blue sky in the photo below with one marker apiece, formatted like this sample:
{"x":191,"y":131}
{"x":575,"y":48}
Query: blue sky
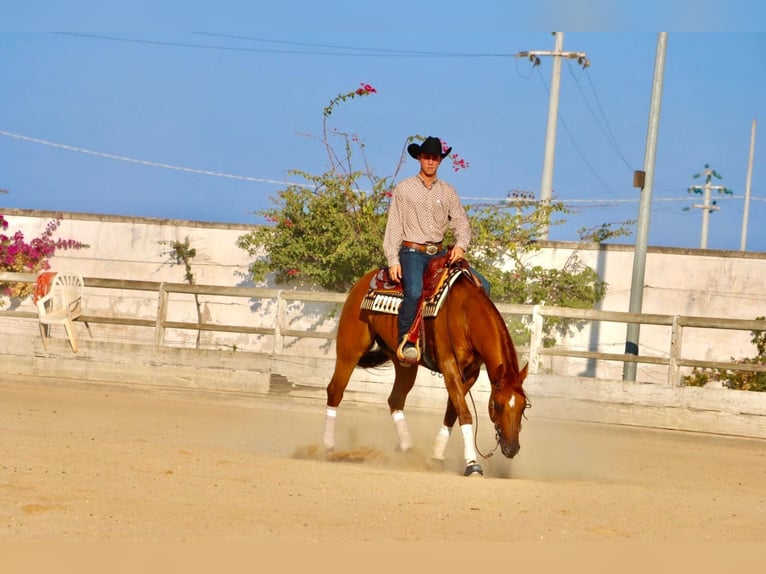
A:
{"x":249,"y":104}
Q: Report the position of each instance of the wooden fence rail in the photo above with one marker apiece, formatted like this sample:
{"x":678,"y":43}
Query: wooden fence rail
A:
{"x":536,"y":315}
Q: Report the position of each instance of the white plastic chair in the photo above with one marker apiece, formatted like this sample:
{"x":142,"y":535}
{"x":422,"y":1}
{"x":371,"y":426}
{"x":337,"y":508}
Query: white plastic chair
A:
{"x":61,"y":305}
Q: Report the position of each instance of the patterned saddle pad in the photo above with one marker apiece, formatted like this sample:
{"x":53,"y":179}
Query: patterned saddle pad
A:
{"x":386,"y":297}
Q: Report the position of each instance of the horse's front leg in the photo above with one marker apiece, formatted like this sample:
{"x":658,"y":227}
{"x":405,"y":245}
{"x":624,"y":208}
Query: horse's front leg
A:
{"x":442,"y":437}
{"x":457,"y":409}
{"x":405,"y":379}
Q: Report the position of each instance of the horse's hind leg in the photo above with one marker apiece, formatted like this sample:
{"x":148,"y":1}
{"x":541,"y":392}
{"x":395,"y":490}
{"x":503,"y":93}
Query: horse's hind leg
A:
{"x":355,"y":340}
{"x":405,"y":379}
{"x":344,"y":367}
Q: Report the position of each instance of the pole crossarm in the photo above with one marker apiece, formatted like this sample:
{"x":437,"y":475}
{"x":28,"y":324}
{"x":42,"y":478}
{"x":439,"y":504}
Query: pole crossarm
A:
{"x":534,"y":56}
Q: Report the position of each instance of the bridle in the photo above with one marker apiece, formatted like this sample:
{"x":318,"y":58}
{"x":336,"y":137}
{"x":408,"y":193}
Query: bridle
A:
{"x":527,"y":404}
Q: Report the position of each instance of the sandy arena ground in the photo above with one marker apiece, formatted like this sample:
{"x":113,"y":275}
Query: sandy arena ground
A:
{"x":92,"y":463}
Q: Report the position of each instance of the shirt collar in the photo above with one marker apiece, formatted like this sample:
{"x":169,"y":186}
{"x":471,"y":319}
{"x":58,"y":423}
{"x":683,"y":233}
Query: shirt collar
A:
{"x":435,"y":181}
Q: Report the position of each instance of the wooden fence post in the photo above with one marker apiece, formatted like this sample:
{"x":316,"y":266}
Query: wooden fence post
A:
{"x":280,"y":323}
{"x":536,"y":338}
{"x":162,"y":315}
{"x":676,"y":340}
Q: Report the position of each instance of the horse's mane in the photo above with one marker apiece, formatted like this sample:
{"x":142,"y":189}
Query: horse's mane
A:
{"x":490,"y":313}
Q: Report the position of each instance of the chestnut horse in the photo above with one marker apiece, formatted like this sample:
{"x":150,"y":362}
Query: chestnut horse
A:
{"x":467,"y":331}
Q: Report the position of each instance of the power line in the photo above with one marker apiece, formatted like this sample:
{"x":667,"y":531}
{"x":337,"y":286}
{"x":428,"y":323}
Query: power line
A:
{"x":607,"y":131}
{"x":597,"y":202}
{"x":332,"y":46}
{"x":362,"y":52}
{"x":590,"y":202}
{"x":148,"y":163}
{"x":576,"y":146}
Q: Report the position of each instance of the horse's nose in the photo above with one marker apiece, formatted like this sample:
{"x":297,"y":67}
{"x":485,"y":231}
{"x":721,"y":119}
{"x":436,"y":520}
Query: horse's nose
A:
{"x":511,"y":450}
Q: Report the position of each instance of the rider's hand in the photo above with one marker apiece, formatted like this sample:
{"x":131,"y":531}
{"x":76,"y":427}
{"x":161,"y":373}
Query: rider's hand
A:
{"x":456,"y":254}
{"x":395,"y":273}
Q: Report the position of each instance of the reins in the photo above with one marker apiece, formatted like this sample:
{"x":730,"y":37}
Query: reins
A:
{"x":462,"y":378}
{"x":476,"y":432}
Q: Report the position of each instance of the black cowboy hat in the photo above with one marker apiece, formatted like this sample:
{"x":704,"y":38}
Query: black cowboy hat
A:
{"x":430,"y":145}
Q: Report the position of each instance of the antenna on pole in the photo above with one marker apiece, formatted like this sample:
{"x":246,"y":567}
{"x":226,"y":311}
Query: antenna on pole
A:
{"x":708,"y":205}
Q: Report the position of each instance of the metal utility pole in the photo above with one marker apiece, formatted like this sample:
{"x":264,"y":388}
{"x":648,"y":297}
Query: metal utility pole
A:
{"x":707,"y":205}
{"x":546,"y":186}
{"x":645,"y":180}
{"x":743,"y":238}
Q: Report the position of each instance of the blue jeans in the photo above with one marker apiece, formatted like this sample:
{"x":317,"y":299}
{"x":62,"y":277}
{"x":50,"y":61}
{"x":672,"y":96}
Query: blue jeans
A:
{"x":414,"y":264}
{"x":482,"y":279}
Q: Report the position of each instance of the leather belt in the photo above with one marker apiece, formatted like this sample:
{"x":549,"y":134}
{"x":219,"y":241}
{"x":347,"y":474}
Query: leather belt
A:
{"x":429,"y":248}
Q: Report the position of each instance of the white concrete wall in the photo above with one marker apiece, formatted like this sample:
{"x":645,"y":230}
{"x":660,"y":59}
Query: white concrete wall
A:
{"x":136,"y":248}
{"x":687,"y":282}
{"x":678,"y":282}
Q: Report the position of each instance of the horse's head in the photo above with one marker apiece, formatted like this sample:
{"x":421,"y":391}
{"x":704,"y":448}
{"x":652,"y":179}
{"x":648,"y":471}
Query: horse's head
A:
{"x":507,"y":402}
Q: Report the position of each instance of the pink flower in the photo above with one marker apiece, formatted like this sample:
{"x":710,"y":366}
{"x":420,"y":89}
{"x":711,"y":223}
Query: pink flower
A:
{"x":366,"y":89}
{"x":18,"y":255}
{"x":458,"y":162}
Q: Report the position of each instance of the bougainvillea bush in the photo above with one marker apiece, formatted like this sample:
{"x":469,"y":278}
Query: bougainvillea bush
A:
{"x":22,"y":256}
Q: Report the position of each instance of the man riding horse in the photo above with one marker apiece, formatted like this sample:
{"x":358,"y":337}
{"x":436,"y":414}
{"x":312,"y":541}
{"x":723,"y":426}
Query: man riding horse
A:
{"x":423,"y":207}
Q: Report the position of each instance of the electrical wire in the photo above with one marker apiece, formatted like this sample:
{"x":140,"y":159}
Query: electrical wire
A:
{"x":576,"y":146}
{"x":469,"y":200}
{"x":362,"y":52}
{"x":607,"y":131}
{"x":331,"y":46}
{"x":148,"y":163}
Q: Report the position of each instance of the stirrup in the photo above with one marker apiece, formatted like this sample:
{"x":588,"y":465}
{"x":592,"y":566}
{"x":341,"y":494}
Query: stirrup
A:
{"x":404,"y":360}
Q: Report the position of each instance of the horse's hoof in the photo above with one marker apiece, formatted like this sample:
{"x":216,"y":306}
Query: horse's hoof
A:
{"x":473,"y":469}
{"x":436,"y":464}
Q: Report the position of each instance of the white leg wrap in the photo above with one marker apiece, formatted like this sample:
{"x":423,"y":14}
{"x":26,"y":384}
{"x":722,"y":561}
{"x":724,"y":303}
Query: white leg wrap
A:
{"x":331,"y":415}
{"x":468,"y":449}
{"x":440,"y":446}
{"x":405,"y":440}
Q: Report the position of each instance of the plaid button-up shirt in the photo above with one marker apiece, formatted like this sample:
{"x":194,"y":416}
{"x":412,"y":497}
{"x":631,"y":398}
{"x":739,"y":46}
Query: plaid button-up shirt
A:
{"x":421,"y":214}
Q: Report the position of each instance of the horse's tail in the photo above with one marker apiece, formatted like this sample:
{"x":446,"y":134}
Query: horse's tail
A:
{"x":373,"y":358}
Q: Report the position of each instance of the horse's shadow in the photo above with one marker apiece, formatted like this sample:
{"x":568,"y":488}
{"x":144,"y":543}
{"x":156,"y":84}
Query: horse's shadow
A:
{"x":414,"y":460}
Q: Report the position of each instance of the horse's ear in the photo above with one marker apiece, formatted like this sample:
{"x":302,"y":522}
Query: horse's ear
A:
{"x":499,"y":374}
{"x":524,"y":371}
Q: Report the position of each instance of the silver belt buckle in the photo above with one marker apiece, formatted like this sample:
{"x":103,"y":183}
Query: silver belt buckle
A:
{"x":432,"y":249}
